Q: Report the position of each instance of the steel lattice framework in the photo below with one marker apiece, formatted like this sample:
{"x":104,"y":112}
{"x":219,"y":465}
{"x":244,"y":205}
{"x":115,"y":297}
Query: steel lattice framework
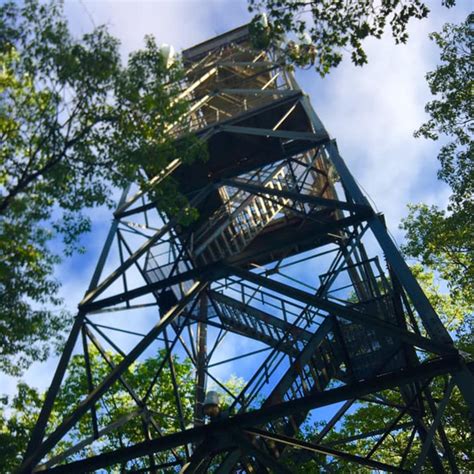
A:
{"x":277,"y":267}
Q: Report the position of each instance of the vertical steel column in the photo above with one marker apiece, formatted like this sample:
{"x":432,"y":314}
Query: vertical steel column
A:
{"x":464,"y":378}
{"x":433,"y":325}
{"x":201,"y":361}
{"x":40,"y":426}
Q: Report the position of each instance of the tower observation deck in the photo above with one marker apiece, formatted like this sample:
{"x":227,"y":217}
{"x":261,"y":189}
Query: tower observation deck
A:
{"x":288,"y":278}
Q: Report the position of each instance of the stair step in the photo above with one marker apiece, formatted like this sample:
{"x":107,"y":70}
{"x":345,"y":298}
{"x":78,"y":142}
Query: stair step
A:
{"x":242,"y":226}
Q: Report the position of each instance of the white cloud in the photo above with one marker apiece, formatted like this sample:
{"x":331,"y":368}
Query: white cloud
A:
{"x":373,"y":112}
{"x":181,"y":23}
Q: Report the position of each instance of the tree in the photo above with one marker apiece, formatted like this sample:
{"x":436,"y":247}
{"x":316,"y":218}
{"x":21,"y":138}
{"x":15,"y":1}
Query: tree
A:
{"x":16,"y":422}
{"x":451,"y":112}
{"x":444,"y":239}
{"x":325,"y":28}
{"x":15,"y":428}
{"x":27,"y":402}
{"x":74,"y":124}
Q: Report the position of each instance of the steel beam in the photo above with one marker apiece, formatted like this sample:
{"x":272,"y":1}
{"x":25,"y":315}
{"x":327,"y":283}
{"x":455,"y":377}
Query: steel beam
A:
{"x":317,"y":448}
{"x":190,"y":275}
{"x":201,"y":356}
{"x":429,"y":369}
{"x":90,"y":439}
{"x":165,"y":172}
{"x":261,"y":92}
{"x":318,"y":139}
{"x":299,"y":197}
{"x":368,"y":434}
{"x":434,"y":426}
{"x":109,"y":380}
{"x":108,"y":244}
{"x":38,"y":432}
{"x":332,"y":422}
{"x":316,"y":123}
{"x":442,"y":434}
{"x":90,"y":383}
{"x":346,"y":312}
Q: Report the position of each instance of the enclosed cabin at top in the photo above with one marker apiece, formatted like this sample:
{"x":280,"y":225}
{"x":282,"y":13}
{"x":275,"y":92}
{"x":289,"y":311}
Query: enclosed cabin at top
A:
{"x":245,"y":103}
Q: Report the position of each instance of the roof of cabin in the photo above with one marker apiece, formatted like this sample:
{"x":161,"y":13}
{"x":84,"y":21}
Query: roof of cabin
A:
{"x":237,"y":35}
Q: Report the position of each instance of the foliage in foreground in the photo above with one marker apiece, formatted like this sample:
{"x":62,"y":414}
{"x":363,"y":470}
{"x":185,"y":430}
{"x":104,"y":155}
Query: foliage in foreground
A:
{"x":74,"y":125}
{"x":334,"y":26}
{"x":444,"y":239}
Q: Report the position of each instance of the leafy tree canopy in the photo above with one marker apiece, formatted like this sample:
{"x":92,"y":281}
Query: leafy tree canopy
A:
{"x":326,"y":28}
{"x":444,"y":239}
{"x":117,"y":403}
{"x":74,"y":124}
{"x":451,"y":110}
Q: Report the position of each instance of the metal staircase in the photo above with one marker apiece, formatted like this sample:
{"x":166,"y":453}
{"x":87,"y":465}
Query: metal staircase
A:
{"x":240,"y":220}
{"x":312,"y":371}
{"x":259,"y":325}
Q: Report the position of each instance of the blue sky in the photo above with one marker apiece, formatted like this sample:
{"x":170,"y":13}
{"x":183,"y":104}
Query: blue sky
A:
{"x":371,"y":111}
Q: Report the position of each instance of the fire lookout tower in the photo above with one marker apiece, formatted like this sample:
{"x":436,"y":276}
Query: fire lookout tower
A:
{"x":288,"y":272}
